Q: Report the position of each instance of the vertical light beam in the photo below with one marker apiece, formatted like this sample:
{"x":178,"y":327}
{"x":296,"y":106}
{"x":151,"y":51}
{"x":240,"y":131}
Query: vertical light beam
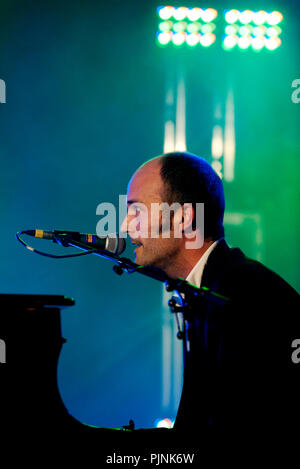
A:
{"x":229,"y":139}
{"x":169,"y":136}
{"x":180,"y":138}
{"x":217,"y":142}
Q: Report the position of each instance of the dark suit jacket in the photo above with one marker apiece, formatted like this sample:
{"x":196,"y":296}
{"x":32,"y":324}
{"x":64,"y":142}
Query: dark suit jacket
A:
{"x":239,"y":370}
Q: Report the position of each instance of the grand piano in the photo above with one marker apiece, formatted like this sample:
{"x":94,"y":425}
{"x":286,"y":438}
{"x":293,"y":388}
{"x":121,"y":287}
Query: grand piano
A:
{"x":31,"y":407}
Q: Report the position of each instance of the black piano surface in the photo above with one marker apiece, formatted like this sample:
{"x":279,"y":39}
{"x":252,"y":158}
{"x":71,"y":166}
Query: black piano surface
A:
{"x":30,"y":404}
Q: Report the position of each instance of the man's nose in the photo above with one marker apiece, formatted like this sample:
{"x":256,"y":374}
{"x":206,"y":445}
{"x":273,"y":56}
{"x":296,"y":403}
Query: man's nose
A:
{"x":124,"y":225}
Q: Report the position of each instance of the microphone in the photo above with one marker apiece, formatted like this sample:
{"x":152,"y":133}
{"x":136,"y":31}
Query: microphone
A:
{"x":112,"y":243}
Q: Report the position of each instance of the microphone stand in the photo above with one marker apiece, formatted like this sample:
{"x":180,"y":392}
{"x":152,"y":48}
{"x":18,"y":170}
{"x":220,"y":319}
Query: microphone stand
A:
{"x":195,"y":303}
{"x":189,"y":295}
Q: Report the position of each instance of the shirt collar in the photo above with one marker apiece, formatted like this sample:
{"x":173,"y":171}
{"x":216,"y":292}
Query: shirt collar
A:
{"x":195,"y":275}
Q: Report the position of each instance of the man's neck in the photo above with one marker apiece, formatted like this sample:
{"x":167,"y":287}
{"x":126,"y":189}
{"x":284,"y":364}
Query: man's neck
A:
{"x":186,"y":260}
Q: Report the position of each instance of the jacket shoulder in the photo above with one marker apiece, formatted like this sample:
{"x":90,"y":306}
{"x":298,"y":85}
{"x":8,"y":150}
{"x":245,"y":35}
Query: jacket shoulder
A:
{"x":231,"y":269}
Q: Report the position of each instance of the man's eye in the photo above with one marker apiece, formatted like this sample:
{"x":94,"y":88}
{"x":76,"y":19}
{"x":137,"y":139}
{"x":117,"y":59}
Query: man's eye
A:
{"x":133,"y":210}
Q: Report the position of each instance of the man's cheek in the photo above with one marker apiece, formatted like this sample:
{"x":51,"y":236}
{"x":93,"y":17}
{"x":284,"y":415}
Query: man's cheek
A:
{"x":138,"y":226}
{"x":155,"y":225}
{"x":143,"y":226}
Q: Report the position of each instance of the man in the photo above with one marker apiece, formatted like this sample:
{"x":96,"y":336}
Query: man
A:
{"x":239,"y":369}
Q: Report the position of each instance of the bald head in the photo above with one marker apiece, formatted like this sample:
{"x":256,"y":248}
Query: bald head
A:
{"x":179,"y":179}
{"x":148,"y":170}
{"x":146,"y":182}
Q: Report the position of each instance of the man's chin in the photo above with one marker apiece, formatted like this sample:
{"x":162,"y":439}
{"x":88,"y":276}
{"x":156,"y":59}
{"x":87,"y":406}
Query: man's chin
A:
{"x":147,"y":262}
{"x":140,"y":260}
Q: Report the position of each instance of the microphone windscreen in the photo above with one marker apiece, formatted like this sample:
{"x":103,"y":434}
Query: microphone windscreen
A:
{"x":115,"y":244}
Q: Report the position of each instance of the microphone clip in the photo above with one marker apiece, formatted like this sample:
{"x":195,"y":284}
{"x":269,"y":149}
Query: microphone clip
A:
{"x":63,"y":237}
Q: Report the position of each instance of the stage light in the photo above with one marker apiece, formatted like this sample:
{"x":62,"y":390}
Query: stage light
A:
{"x":209,"y":15}
{"x":207,"y":39}
{"x":165,"y":12}
{"x":243,"y":27}
{"x":180,"y":26}
{"x":259,"y":17}
{"x":165,"y":26}
{"x":274,"y":18}
{"x":273,"y":31}
{"x":273,"y":42}
{"x":258,"y":43}
{"x":252,"y":28}
{"x":208,"y":28}
{"x":186,"y":29}
{"x":163,"y":423}
{"x":245,"y":16}
{"x":259,"y":30}
{"x":194,"y":14}
{"x":244,"y":42}
{"x":194,"y":27}
{"x":180,"y":13}
{"x":230,"y":41}
{"x":164,"y":37}
{"x":193,"y":39}
{"x":232,"y":16}
{"x":231,"y":29}
{"x":178,"y":38}
{"x":245,"y":30}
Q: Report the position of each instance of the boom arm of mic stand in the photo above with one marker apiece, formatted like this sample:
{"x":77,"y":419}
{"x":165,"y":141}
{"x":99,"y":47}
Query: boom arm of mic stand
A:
{"x":191,"y":292}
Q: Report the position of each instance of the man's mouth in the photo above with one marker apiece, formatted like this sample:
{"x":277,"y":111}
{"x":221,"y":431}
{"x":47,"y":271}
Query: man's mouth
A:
{"x":136,"y":244}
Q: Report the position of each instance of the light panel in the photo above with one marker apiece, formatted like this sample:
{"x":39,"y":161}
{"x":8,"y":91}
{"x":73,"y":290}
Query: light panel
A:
{"x":254,"y":30}
{"x":189,"y":26}
{"x":244,"y":29}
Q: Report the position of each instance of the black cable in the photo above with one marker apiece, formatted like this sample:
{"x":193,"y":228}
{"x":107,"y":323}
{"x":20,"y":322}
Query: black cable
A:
{"x":50,"y":255}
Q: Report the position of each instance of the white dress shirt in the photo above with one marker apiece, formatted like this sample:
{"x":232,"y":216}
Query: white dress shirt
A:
{"x":195,"y":275}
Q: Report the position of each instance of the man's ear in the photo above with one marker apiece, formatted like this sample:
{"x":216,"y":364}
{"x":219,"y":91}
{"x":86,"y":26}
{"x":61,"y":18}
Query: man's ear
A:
{"x":188,"y":217}
{"x":183,"y":220}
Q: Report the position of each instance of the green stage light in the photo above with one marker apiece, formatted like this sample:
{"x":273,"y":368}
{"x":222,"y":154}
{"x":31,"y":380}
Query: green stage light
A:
{"x":165,"y":26}
{"x":207,"y":39}
{"x":180,"y":13}
{"x":258,"y":43}
{"x":165,"y":13}
{"x":244,"y":42}
{"x":209,"y":15}
{"x":273,"y":31}
{"x":232,"y":16}
{"x":194,"y":27}
{"x":193,"y":39}
{"x":178,"y":38}
{"x":208,"y":28}
{"x":245,"y":30}
{"x":231,"y":29}
{"x":274,"y":18}
{"x":230,"y":41}
{"x":245,"y":16}
{"x":194,"y":14}
{"x":273,"y":42}
{"x":259,"y":30}
{"x":180,"y":26}
{"x":256,"y":28}
{"x":164,"y":37}
{"x":259,"y":17}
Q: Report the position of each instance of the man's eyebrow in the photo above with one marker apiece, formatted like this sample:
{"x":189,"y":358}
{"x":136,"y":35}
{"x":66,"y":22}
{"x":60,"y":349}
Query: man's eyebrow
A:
{"x":129,"y":202}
